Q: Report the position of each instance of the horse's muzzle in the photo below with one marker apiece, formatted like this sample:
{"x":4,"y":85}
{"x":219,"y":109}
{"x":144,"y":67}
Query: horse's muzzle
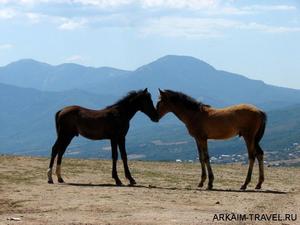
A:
{"x":155,"y":118}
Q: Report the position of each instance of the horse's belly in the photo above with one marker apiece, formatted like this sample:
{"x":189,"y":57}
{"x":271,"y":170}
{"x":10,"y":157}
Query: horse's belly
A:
{"x":93,"y":134}
{"x":223,"y":134}
{"x":222,"y":137}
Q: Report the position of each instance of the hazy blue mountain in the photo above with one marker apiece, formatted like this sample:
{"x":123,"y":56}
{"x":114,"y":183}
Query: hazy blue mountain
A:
{"x":183,"y":73}
{"x":204,"y":82}
{"x":42,"y":76}
{"x":27,"y":115}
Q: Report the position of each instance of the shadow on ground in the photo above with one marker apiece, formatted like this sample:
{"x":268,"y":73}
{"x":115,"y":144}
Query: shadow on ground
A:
{"x":175,"y":188}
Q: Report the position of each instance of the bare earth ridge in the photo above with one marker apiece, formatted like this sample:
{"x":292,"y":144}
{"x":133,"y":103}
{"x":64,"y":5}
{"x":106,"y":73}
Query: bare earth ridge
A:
{"x":166,"y":193}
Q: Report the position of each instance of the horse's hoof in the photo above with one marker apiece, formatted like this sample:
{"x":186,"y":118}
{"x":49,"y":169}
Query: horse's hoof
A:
{"x":258,"y":187}
{"x":60,"y":180}
{"x":119,"y":183}
{"x":209,"y":187}
{"x":132,"y":182}
{"x":50,"y":181}
{"x":243,"y":187}
{"x":200,"y":184}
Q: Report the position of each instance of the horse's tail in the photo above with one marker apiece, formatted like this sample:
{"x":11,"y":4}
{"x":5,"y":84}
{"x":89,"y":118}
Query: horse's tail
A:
{"x":261,"y":131}
{"x":56,"y":121}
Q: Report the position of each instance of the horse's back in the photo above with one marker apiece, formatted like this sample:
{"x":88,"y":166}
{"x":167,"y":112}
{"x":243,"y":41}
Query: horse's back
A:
{"x":240,"y":108}
{"x":76,"y":109}
{"x":83,"y":112}
{"x":223,"y":123}
{"x":248,"y":114}
{"x":236,"y":111}
{"x":90,"y":123}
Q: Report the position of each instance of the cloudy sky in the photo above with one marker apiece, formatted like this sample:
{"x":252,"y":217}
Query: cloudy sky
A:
{"x":257,"y":38}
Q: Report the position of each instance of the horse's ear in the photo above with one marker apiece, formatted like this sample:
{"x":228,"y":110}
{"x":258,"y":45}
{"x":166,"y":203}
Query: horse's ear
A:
{"x":161,"y":92}
{"x":146,"y":90}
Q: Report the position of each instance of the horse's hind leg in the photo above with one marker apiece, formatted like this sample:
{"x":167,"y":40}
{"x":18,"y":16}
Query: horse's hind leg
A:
{"x":203,"y":147}
{"x":124,"y":159}
{"x":114,"y":151}
{"x":53,"y":155}
{"x":251,"y":157}
{"x":260,"y":158}
{"x":201,"y":159}
{"x":63,"y":144}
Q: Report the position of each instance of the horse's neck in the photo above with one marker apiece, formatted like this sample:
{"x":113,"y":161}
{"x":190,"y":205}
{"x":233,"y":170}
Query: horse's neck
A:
{"x":185,"y":115}
{"x":128,"y":111}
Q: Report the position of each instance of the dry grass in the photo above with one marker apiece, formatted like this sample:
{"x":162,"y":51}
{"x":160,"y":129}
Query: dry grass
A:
{"x":166,"y":193}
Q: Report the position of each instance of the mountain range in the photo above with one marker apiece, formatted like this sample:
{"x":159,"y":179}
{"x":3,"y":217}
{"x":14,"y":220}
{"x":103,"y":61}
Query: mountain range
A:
{"x":31,"y":92}
{"x":182,"y":73}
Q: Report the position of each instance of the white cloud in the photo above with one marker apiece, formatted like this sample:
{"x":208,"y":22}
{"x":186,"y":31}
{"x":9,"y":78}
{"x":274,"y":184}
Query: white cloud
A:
{"x":7,"y":13}
{"x":193,"y":4}
{"x":75,"y":58}
{"x":6,"y":46}
{"x":268,"y":28}
{"x":247,"y":10}
{"x":198,"y":18}
{"x":269,"y":8}
{"x":33,"y":2}
{"x":222,"y":5}
{"x":188,"y":27}
{"x":34,"y":17}
{"x":205,"y":27}
{"x":177,"y":4}
{"x":17,"y":2}
{"x":72,"y":24}
{"x":105,"y":3}
{"x":227,"y":10}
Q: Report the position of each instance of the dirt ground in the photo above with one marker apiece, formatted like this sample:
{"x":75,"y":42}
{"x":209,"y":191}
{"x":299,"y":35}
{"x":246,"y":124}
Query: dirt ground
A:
{"x":166,"y":193}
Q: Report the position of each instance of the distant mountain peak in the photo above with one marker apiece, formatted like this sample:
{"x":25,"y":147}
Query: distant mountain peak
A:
{"x":179,"y":57}
{"x":31,"y":63}
{"x":27,"y":62}
{"x":177,"y":61}
{"x":182,"y":59}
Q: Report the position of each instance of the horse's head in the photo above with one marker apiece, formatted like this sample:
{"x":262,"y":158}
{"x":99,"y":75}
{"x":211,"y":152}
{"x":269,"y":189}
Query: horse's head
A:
{"x":177,"y":102}
{"x":163,"y":105}
{"x":146,"y":105}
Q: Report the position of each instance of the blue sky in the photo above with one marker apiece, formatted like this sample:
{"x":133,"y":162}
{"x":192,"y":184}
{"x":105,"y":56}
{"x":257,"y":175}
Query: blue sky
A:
{"x":259,"y":39}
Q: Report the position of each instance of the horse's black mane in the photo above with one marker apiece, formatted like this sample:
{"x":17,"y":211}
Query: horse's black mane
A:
{"x":127,"y":98}
{"x":186,"y":100}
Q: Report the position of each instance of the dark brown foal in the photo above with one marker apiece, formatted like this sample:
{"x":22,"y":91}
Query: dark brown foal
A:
{"x":109,"y":123}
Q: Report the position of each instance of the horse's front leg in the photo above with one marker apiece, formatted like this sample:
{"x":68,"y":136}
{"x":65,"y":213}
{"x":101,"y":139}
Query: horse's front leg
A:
{"x":114,"y":151}
{"x":201,"y":159}
{"x":122,"y":148}
{"x":203,"y":146}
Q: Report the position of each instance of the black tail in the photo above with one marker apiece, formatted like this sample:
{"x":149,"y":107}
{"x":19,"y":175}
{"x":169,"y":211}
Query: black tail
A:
{"x":260,"y":132}
{"x":56,"y":121}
